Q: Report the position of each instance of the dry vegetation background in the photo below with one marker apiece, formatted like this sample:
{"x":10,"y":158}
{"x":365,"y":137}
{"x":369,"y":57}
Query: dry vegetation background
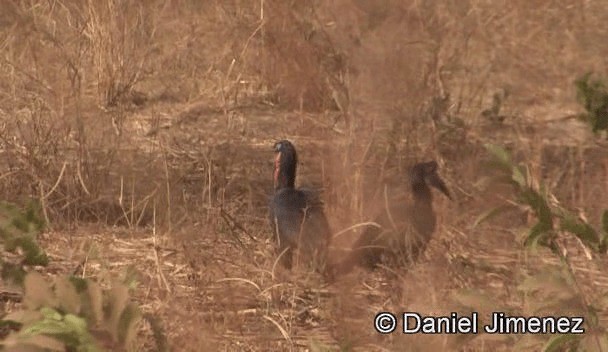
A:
{"x":145,"y":128}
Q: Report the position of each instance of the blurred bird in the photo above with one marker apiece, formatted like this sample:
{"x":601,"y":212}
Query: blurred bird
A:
{"x":407,"y":225}
{"x":297,"y":215}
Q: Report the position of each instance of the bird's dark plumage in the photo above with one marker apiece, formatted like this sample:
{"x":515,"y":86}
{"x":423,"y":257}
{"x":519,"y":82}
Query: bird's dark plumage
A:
{"x":296,"y":215}
{"x":406,"y":224}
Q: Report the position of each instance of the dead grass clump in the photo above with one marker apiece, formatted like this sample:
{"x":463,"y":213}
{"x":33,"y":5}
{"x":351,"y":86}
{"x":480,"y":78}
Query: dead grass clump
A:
{"x":73,"y":74}
{"x":298,"y":56}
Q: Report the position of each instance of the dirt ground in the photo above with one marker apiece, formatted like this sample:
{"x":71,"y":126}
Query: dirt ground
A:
{"x":148,"y":129}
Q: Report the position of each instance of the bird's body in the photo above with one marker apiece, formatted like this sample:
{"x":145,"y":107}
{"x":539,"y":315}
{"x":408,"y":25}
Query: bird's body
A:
{"x":296,"y":215}
{"x":406,"y":223}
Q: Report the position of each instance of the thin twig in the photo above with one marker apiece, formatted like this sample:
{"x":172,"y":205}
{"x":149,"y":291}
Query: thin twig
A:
{"x":229,"y":218}
{"x":161,"y":276}
{"x":56,"y":182}
{"x":355,"y":226}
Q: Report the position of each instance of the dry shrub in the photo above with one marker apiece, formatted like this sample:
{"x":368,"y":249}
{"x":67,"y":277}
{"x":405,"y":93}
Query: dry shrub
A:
{"x":81,"y":70}
{"x":298,"y":55}
{"x":121,"y":39}
{"x":74,"y":76}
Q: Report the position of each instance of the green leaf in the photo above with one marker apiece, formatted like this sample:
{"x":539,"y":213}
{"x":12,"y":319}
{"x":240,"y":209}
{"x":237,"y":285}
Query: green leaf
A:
{"x":18,"y":231}
{"x":51,"y":313}
{"x":50,"y":325}
{"x":34,"y":255}
{"x":518,"y":177}
{"x":537,"y":235}
{"x":490,"y":214}
{"x":80,"y":284}
{"x":593,"y":95}
{"x":70,"y":329}
{"x":539,"y":205}
{"x":580,"y":229}
{"x":500,"y":156}
{"x":76,"y":323}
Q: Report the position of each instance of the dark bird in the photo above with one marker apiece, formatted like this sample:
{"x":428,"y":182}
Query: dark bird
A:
{"x":296,"y":215}
{"x":406,"y":225}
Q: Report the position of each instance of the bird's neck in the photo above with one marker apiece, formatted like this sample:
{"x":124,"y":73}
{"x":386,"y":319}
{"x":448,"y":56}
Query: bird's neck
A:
{"x":421,"y":211}
{"x":284,"y":172}
{"x":422,"y":194}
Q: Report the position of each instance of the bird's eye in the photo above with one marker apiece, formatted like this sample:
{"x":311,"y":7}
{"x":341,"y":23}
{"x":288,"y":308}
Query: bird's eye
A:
{"x":278,"y":147}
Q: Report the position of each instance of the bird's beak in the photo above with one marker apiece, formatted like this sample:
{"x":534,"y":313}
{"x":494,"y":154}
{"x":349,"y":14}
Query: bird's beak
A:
{"x":435,"y":181}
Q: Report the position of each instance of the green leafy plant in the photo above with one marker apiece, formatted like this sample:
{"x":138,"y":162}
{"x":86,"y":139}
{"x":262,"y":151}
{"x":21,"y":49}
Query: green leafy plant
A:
{"x":63,"y":313}
{"x":554,"y":287}
{"x":74,"y":315}
{"x":18,"y":232}
{"x":493,"y":113}
{"x":592,"y":93}
{"x":551,"y":219}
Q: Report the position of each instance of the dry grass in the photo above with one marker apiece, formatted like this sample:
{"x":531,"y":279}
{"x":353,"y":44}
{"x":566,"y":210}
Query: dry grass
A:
{"x":145,"y":129}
